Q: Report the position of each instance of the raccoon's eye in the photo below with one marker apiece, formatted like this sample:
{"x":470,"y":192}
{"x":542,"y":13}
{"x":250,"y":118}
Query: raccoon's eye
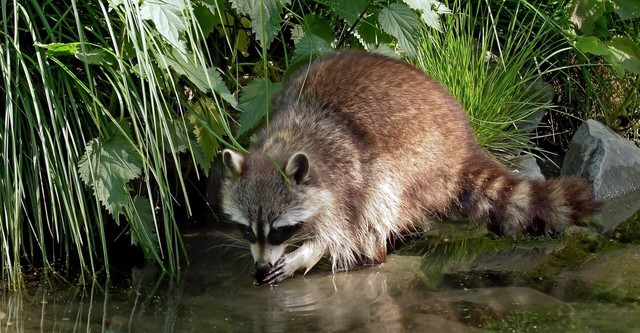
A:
{"x":280,"y":235}
{"x":247,"y":233}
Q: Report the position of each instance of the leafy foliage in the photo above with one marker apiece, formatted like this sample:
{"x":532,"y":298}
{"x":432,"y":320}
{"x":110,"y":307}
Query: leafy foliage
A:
{"x":114,"y":108}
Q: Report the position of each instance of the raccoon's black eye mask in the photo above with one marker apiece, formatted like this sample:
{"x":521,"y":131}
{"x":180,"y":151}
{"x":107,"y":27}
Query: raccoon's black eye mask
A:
{"x":247,"y":233}
{"x":280,"y":235}
{"x":277,"y":236}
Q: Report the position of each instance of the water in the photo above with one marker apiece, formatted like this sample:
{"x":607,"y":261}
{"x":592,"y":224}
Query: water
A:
{"x":464,"y":286}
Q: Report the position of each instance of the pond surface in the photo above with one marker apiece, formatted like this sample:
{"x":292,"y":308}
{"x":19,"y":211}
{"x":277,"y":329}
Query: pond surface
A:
{"x":469,"y":282}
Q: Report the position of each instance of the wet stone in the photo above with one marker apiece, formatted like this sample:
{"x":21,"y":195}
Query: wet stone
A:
{"x":612,"y":164}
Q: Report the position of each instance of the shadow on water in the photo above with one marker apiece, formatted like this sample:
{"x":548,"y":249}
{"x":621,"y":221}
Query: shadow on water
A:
{"x":467,"y":282}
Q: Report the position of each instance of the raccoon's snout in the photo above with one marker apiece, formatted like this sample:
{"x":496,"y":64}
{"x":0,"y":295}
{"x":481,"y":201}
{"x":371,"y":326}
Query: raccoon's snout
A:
{"x":260,"y":271}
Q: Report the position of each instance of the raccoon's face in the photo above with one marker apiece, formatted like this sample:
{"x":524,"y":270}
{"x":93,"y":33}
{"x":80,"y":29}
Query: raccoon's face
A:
{"x":269,"y":204}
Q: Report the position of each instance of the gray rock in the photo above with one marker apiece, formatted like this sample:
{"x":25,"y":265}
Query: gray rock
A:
{"x":609,"y":162}
{"x":612,"y":165}
{"x":526,"y":166}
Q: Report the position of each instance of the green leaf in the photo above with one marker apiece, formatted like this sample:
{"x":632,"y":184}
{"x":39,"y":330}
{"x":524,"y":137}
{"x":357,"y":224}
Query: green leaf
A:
{"x":96,"y":56}
{"x":626,"y":9}
{"x":309,"y":47}
{"x":625,"y":55}
{"x":206,"y":18}
{"x":590,"y":44}
{"x":254,"y":103}
{"x":430,"y":11}
{"x":401,"y":22}
{"x":318,"y":26}
{"x":205,"y":110}
{"x":140,"y":215}
{"x":348,"y":10}
{"x":167,"y":16}
{"x":181,"y":135}
{"x":369,"y":32}
{"x":108,"y":165}
{"x":59,"y":49}
{"x":584,"y":14}
{"x":204,"y":79}
{"x":264,"y":15}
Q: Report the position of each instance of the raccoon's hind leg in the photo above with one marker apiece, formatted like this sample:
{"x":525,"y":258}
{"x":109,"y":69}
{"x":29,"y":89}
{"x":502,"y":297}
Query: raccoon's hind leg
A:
{"x":306,"y":256}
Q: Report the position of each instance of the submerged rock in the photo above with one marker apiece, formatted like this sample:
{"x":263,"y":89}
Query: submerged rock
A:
{"x":612,"y":165}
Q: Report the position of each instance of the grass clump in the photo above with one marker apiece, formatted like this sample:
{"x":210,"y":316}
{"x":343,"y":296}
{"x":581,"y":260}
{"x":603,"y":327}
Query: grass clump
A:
{"x":493,"y":58}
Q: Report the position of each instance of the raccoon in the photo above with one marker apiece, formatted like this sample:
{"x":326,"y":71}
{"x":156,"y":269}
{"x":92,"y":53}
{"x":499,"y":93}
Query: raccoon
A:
{"x":360,"y":148}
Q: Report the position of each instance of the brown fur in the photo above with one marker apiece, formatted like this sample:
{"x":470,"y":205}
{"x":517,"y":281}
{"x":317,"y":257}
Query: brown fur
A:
{"x":387,"y":146}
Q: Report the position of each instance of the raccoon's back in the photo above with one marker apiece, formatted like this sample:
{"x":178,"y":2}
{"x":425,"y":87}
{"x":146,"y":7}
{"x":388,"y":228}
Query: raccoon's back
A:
{"x":385,"y":102}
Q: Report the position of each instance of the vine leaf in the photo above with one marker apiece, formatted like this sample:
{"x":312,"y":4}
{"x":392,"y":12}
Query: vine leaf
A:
{"x":167,"y":17}
{"x":400,"y":22}
{"x":254,"y":103}
{"x":264,"y":15}
{"x":108,"y":165}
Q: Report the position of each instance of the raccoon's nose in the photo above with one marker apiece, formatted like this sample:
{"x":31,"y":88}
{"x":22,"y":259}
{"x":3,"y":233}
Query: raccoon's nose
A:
{"x":260,"y":271}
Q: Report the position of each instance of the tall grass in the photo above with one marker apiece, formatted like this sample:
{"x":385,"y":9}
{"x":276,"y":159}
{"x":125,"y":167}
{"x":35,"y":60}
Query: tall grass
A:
{"x":81,"y":77}
{"x":493,"y":59}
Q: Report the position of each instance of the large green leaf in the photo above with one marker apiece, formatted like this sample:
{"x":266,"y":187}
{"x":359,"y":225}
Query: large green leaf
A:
{"x":108,"y":165}
{"x":401,"y":22}
{"x":593,"y":45}
{"x":264,"y":15}
{"x":167,"y":16}
{"x":254,"y":103}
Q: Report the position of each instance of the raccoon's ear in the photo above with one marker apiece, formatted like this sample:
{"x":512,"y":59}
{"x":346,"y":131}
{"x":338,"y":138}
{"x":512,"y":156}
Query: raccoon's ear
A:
{"x":233,"y":161}
{"x":298,"y":168}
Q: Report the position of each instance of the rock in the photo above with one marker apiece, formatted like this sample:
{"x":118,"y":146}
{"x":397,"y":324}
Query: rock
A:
{"x":526,"y":166}
{"x":612,"y":165}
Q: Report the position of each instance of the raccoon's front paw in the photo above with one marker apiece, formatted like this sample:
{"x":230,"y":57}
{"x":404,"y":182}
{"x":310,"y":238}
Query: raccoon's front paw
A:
{"x":283,"y":269}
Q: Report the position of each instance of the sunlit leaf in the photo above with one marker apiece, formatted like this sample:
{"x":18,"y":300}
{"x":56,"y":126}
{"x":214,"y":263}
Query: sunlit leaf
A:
{"x":430,"y":11}
{"x":167,"y":16}
{"x":59,"y":49}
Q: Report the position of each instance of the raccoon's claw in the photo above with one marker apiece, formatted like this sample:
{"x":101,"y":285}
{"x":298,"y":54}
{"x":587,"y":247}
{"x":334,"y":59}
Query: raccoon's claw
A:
{"x":278,"y":273}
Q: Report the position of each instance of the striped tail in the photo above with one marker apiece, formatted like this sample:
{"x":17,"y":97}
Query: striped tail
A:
{"x":508,"y":205}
